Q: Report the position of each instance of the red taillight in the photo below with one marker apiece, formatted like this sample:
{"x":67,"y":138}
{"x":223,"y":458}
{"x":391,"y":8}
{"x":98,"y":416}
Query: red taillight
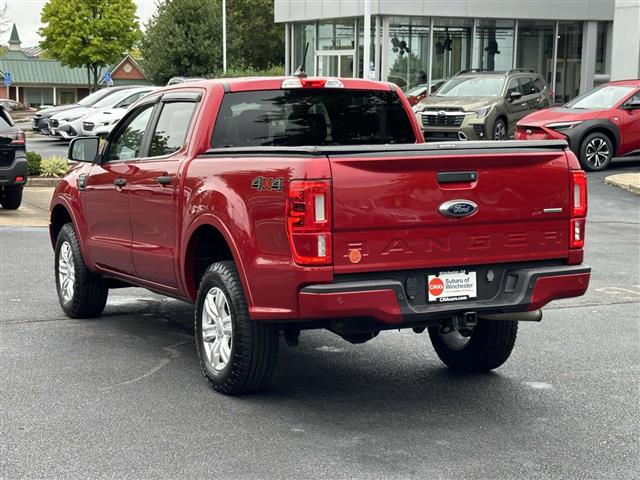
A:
{"x":19,"y":179}
{"x":309,"y":221}
{"x":578,"y":194}
{"x":578,"y":208}
{"x":18,"y":138}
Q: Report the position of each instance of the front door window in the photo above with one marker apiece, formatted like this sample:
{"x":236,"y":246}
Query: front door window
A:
{"x":127,"y":143}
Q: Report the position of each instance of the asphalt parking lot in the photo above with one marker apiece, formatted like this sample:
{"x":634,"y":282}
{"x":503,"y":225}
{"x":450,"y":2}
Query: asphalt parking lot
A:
{"x":122,"y":396}
{"x":47,"y":146}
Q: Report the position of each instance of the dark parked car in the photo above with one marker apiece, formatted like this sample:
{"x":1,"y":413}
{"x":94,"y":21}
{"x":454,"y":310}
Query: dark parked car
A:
{"x":599,"y":125}
{"x":13,"y":162}
{"x":478,"y":104}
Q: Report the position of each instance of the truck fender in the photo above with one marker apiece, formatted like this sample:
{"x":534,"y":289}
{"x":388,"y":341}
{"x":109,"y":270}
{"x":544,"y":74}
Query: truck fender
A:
{"x":60,"y":200}
{"x":212,"y":220}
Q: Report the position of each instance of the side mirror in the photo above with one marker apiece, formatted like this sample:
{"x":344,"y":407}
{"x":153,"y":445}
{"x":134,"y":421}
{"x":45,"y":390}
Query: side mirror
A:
{"x":513,"y":96}
{"x":84,"y":149}
{"x":633,"y":105}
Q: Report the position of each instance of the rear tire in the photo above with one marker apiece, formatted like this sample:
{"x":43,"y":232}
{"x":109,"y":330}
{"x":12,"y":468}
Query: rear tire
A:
{"x":11,"y":198}
{"x":82,"y":293}
{"x":237,"y":355}
{"x":488,"y":347}
{"x":596,"y":152}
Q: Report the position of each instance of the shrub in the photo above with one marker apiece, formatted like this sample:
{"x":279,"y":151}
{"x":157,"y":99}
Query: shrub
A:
{"x":34,"y":160}
{"x":240,"y":70}
{"x":54,"y":167}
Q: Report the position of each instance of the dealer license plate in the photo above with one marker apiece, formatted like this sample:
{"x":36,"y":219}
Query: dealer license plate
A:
{"x":452,"y":286}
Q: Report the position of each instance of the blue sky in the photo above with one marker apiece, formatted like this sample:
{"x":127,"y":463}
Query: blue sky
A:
{"x":26,"y":15}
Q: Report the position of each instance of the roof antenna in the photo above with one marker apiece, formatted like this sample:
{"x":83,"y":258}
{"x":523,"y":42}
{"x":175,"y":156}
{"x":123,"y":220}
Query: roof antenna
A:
{"x":300,"y":73}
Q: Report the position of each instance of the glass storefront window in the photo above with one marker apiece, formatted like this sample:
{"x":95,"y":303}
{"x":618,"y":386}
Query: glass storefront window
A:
{"x":452,"y":44}
{"x":336,"y":34}
{"x":535,"y":47}
{"x":601,"y":48}
{"x":408,"y":51}
{"x":493,"y":46}
{"x":569,"y":61}
{"x":304,"y":33}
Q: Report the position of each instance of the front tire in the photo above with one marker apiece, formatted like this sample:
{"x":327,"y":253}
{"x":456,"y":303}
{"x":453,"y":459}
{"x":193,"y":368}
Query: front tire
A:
{"x":596,"y":152}
{"x":500,"y":130}
{"x":237,"y":355}
{"x":488,"y":347}
{"x":11,"y":198}
{"x":82,"y":293}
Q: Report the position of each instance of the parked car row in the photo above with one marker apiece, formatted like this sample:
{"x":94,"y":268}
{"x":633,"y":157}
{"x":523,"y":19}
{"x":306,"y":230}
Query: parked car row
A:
{"x":477,"y":104}
{"x":95,"y":114}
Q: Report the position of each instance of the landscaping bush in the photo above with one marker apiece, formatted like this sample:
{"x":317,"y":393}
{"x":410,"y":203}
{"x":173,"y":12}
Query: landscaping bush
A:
{"x":54,"y":167}
{"x":34,"y":161}
{"x":240,"y":70}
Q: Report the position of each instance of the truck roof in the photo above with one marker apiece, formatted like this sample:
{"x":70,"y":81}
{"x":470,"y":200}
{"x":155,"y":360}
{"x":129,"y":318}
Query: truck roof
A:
{"x":244,"y":84}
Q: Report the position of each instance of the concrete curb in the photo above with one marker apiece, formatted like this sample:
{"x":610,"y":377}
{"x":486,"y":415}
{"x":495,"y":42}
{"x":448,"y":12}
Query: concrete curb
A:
{"x":628,"y":181}
{"x":42,"y":182}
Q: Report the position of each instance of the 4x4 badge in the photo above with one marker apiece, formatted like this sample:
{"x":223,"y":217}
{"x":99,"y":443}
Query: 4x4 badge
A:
{"x":265,"y":183}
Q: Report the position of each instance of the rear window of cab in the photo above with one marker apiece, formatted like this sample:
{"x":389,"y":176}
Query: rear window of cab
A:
{"x":311,"y":117}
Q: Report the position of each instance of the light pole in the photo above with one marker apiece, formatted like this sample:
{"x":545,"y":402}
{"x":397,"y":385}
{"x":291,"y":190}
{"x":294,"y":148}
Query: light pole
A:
{"x":224,"y":36}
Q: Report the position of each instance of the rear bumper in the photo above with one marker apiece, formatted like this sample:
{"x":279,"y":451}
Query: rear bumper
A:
{"x":385,"y":301}
{"x":12,"y":172}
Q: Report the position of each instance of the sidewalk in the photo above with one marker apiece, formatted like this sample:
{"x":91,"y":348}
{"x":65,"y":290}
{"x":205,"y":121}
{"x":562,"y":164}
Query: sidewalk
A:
{"x":34,"y":211}
{"x":628,"y":181}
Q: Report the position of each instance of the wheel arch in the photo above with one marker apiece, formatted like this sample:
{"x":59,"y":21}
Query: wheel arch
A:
{"x":208,"y":241}
{"x":602,"y":125}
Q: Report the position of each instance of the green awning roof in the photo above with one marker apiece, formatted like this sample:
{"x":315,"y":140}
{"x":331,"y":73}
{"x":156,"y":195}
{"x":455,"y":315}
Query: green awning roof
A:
{"x":35,"y":71}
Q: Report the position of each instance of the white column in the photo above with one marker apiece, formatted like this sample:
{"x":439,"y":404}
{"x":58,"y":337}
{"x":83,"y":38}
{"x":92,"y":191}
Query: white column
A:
{"x":384,"y":69}
{"x":377,"y":46}
{"x":367,"y":38}
{"x":287,"y":49}
{"x":588,"y":60}
{"x":55,"y":96}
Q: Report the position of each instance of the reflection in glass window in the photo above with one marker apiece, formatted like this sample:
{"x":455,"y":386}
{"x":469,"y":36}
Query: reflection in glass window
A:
{"x":451,"y":46}
{"x":408,"y":49}
{"x":494,"y":45}
{"x":569,"y":61}
{"x":304,"y":33}
{"x":601,"y":48}
{"x":535,"y":47}
{"x":336,"y":35}
{"x":171,"y":130}
{"x":128,"y":143}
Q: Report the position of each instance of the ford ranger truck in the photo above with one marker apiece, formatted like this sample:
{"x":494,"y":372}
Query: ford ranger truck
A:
{"x":277,"y":205}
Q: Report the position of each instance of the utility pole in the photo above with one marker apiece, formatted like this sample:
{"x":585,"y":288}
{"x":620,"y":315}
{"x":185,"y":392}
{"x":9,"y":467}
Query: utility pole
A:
{"x":224,"y":36}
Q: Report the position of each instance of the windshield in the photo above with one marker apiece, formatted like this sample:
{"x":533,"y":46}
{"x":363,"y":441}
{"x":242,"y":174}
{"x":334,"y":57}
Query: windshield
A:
{"x":112,"y":99}
{"x":90,"y":100}
{"x":472,"y":87}
{"x":600,"y":98}
{"x":311,"y":117}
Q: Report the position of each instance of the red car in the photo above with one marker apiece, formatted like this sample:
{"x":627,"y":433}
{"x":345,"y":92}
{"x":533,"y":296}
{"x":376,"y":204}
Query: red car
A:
{"x":278,"y":205}
{"x":599,"y":125}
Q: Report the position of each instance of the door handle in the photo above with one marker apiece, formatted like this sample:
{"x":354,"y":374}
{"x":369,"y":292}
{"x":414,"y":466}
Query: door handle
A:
{"x":164,"y":179}
{"x":120,"y":182}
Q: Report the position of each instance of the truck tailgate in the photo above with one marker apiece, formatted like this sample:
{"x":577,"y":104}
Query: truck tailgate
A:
{"x":386,"y":206}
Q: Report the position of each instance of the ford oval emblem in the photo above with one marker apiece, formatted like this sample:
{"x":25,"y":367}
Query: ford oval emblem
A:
{"x":458,"y":208}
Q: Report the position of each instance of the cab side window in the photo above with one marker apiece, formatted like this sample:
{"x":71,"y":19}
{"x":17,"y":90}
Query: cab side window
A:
{"x":171,"y":130}
{"x":127,"y":143}
{"x":528,"y":88}
{"x":514,"y":86}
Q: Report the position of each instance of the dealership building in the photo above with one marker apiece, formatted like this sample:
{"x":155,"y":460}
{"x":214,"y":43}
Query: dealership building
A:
{"x":573,"y":44}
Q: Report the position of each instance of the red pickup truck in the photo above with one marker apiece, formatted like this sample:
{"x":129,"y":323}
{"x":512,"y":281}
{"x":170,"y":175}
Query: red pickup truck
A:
{"x":277,"y":205}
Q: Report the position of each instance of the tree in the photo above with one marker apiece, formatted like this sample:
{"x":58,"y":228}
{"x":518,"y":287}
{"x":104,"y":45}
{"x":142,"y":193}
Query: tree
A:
{"x":183,"y":38}
{"x":89,"y":33}
{"x":254,"y":39}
